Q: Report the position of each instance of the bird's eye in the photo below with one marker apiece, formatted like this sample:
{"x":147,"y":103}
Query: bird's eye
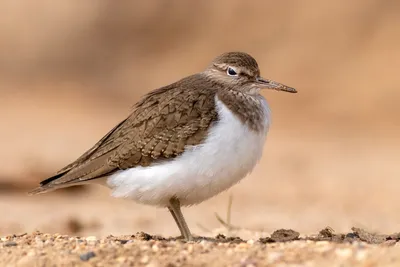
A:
{"x":231,"y":72}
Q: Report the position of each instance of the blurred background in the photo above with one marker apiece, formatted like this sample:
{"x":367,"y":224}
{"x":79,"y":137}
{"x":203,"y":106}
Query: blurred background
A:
{"x":70,"y":70}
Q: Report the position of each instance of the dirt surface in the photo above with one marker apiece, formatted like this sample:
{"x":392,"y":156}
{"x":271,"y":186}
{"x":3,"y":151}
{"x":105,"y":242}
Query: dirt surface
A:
{"x":283,"y":247}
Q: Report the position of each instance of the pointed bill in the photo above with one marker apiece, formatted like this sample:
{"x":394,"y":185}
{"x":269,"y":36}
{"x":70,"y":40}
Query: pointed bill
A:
{"x":269,"y":84}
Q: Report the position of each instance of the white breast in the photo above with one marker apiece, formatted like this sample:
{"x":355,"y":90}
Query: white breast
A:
{"x":228,"y":154}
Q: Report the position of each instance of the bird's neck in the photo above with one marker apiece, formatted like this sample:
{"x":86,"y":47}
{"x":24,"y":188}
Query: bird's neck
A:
{"x":252,"y":110}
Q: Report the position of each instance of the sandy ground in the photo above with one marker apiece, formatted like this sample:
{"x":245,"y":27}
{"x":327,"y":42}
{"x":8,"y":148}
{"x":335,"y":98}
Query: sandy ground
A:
{"x":282,"y":248}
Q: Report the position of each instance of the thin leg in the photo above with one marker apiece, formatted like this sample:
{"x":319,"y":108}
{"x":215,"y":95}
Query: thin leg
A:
{"x":175,"y":209}
{"x":176,"y":219}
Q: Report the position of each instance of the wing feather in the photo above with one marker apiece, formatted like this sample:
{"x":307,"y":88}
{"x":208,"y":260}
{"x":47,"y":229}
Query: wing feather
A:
{"x":160,"y":126}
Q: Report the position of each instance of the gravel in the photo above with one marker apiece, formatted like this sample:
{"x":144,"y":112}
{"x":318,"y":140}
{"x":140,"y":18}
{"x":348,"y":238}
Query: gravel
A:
{"x":87,"y":256}
{"x":284,"y":247}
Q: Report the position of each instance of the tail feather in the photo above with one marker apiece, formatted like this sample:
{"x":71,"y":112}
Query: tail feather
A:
{"x":46,"y":185}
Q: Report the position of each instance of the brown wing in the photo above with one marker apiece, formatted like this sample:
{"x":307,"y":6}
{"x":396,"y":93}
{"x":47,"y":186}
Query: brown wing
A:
{"x":161,"y":126}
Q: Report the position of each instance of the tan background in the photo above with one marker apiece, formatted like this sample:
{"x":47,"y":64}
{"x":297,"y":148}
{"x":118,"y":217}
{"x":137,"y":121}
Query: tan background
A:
{"x":70,"y":70}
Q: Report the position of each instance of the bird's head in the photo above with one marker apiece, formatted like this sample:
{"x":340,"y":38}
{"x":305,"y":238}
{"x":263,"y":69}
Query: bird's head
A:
{"x":240,"y":71}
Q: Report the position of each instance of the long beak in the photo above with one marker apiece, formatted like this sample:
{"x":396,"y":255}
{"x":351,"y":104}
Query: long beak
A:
{"x":268,"y":84}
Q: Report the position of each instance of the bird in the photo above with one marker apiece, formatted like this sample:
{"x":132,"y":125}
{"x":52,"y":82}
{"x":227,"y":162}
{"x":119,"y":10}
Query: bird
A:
{"x":182,"y":143}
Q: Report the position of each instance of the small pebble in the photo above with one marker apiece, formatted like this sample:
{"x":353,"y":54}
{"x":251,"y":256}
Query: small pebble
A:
{"x":242,"y":246}
{"x":145,"y":259}
{"x":322,"y":249}
{"x":10,"y":244}
{"x":31,"y":253}
{"x":155,"y":248}
{"x":361,"y":255}
{"x":344,"y":252}
{"x":203,"y":242}
{"x":87,"y":256}
{"x":91,"y":238}
{"x":250,"y":242}
{"x":121,"y":259}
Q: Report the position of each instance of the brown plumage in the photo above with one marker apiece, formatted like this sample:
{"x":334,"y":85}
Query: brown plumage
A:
{"x":159,"y":127}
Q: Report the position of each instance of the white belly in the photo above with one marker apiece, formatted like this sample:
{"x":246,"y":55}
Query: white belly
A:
{"x":227,"y":155}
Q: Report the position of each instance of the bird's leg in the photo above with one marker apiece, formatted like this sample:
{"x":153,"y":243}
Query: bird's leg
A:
{"x":176,"y":219}
{"x":175,"y":209}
